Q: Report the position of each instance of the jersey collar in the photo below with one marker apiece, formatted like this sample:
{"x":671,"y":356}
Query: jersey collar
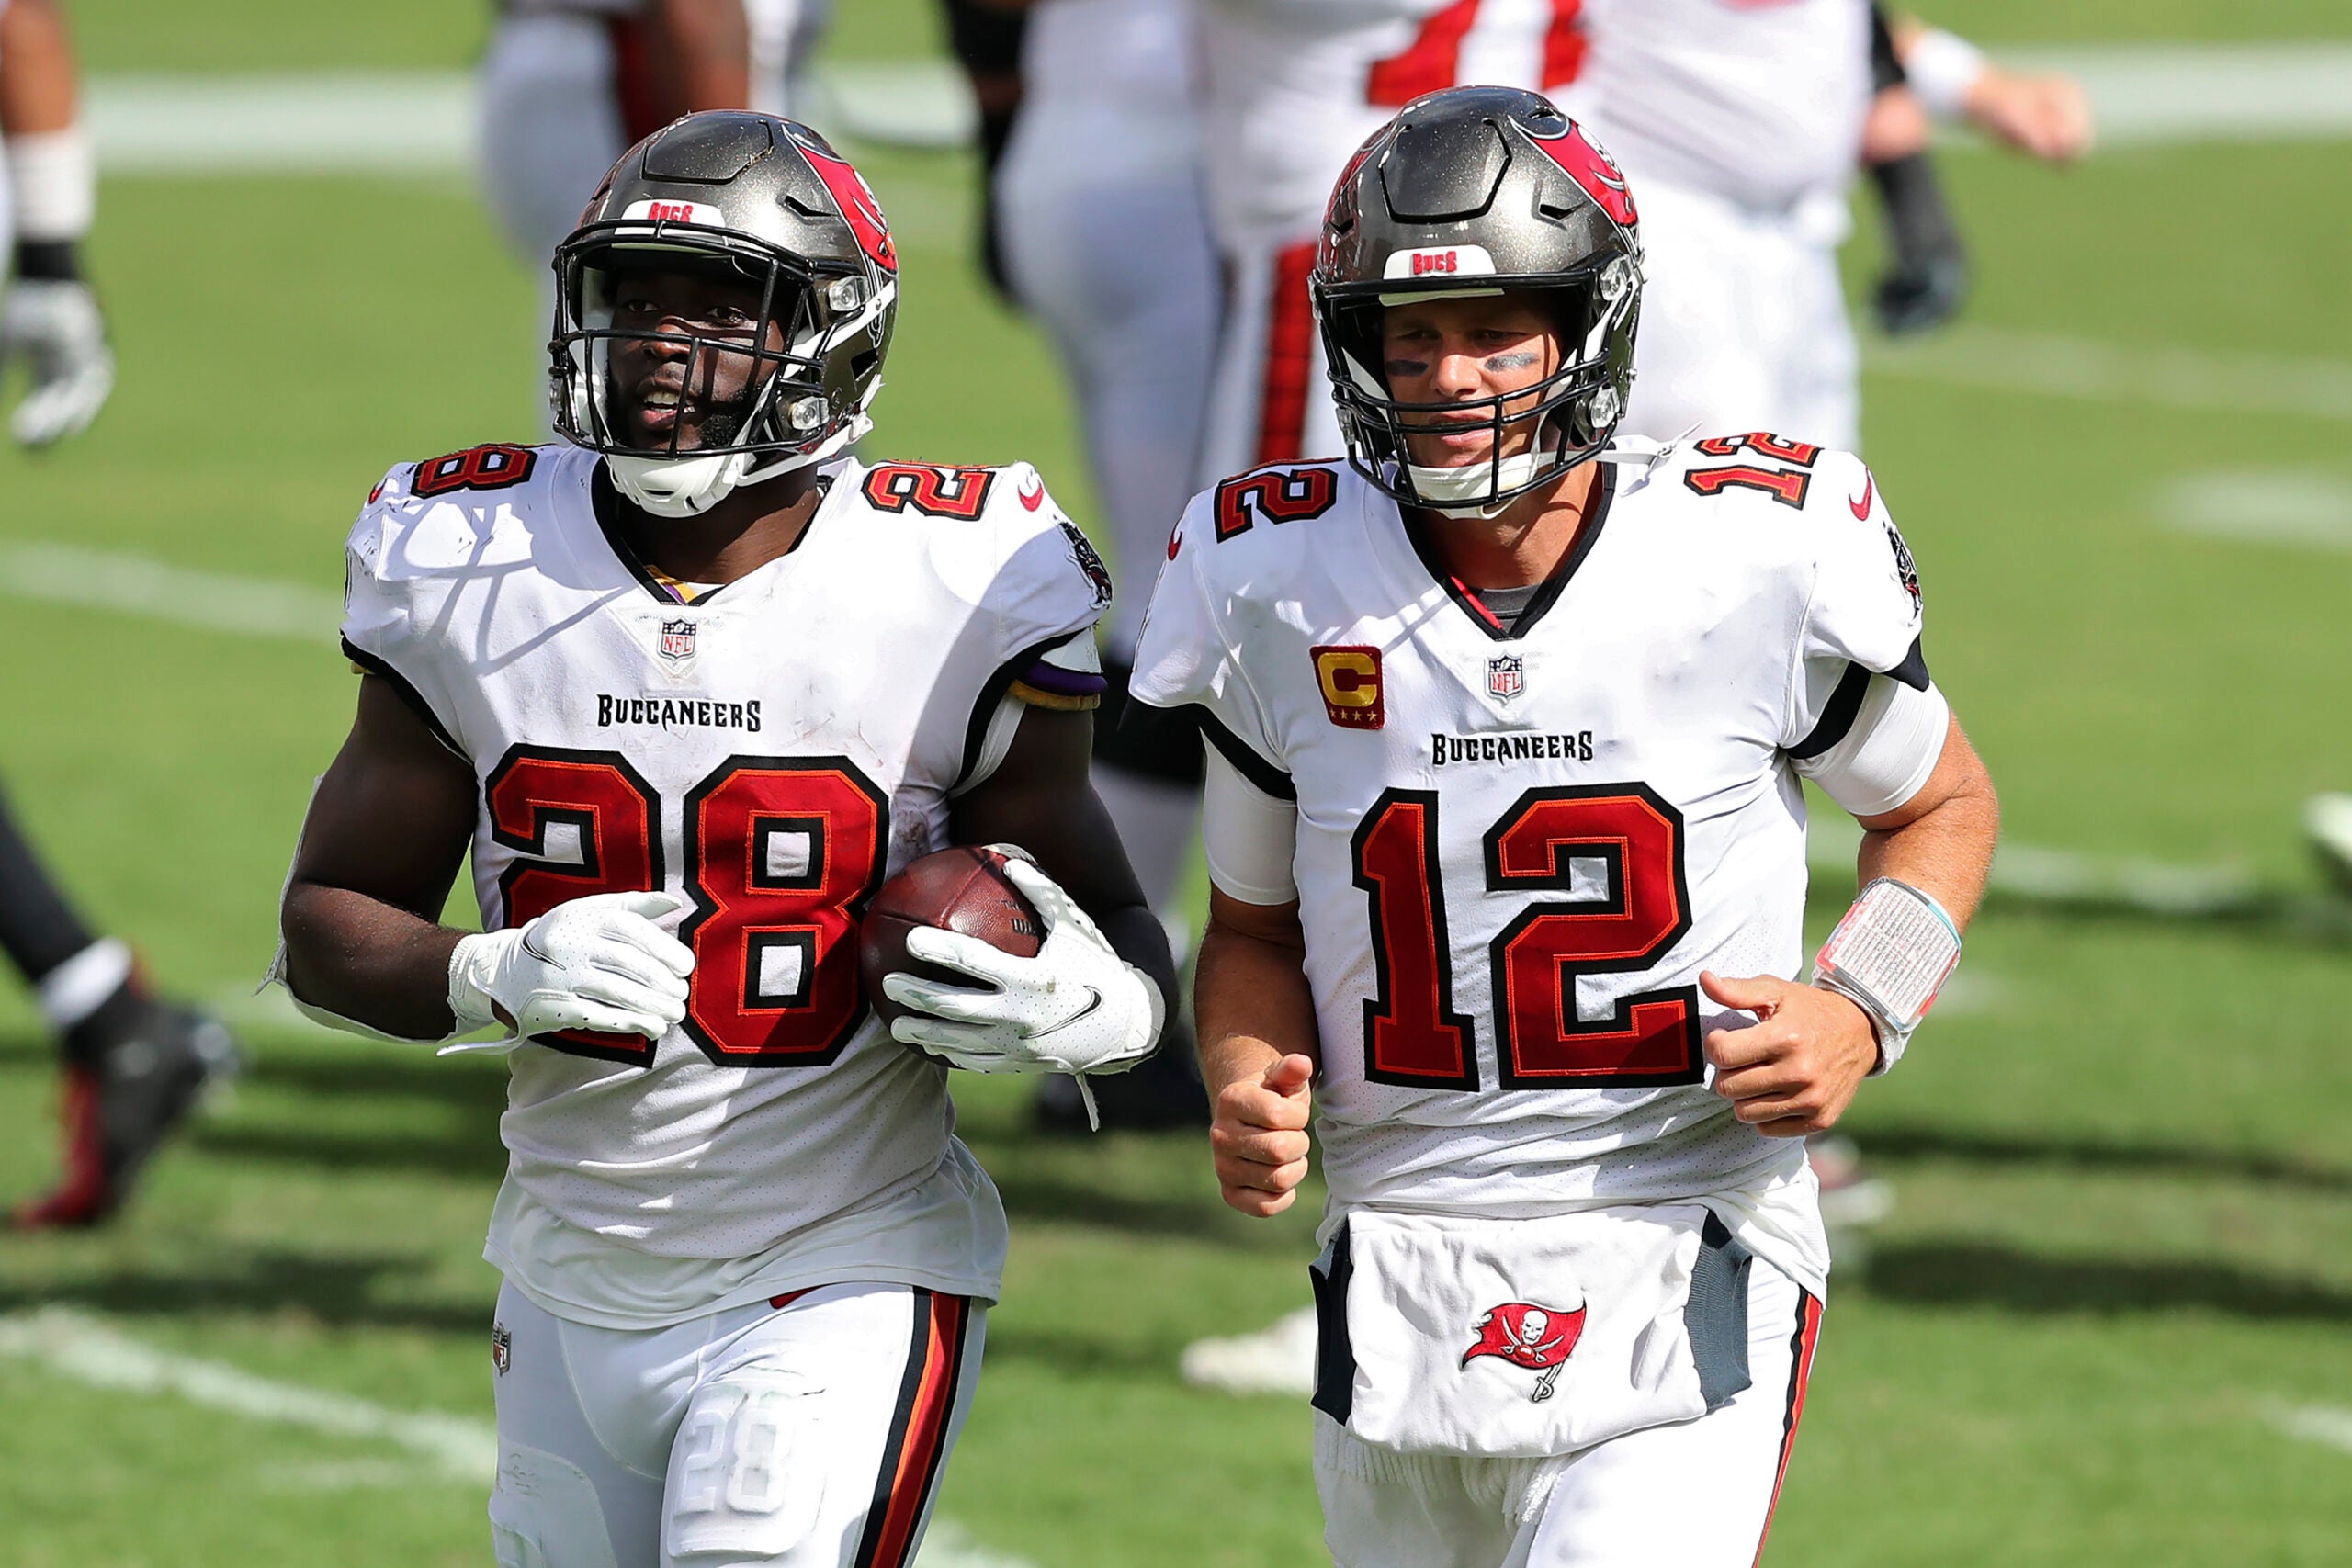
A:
{"x":605,"y":500}
{"x":1547,"y":593}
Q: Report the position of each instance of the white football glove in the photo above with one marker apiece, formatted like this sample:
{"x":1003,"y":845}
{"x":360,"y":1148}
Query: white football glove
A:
{"x":54,"y":325}
{"x":598,"y":962}
{"x":1077,"y":1007}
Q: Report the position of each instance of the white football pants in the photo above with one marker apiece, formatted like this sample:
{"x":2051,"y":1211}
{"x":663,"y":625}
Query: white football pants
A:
{"x":1743,"y":321}
{"x":1692,"y":1495}
{"x":809,"y":1435}
{"x":1272,"y":402}
{"x":1104,"y":236}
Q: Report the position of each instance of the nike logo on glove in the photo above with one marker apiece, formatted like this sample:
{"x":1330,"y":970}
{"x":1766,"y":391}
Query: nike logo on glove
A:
{"x":1093,"y":1000}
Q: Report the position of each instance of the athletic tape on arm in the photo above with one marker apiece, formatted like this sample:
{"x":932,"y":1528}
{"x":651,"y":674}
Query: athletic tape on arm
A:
{"x":1886,"y":756}
{"x":1251,"y":838}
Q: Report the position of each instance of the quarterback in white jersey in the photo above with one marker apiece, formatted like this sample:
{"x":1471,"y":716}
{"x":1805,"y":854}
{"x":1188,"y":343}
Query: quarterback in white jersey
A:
{"x":1507,"y":835}
{"x":687,"y":691}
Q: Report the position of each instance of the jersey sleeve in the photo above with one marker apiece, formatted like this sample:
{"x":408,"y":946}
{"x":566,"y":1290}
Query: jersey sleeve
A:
{"x":1187,"y":658}
{"x":1863,"y":614}
{"x":1050,"y":588}
{"x":383,"y":633}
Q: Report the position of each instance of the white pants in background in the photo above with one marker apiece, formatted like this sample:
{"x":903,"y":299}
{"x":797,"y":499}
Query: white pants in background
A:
{"x":1692,"y":1494}
{"x":1743,"y":321}
{"x":1105,"y":238}
{"x":810,"y":1434}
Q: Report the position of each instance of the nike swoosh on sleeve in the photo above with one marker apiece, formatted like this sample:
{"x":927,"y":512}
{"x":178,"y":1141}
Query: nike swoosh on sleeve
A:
{"x":1862,"y":507}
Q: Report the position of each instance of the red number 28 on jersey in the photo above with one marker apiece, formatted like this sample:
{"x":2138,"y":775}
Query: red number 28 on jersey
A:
{"x":783,"y":854}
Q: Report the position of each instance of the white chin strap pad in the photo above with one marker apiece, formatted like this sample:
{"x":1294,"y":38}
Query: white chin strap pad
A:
{"x":689,"y":486}
{"x":1462,"y":492}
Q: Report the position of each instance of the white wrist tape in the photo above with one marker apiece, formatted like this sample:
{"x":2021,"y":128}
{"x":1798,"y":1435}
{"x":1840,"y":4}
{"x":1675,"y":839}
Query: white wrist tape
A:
{"x":1942,"y":70}
{"x":1891,"y":954}
{"x":54,"y":177}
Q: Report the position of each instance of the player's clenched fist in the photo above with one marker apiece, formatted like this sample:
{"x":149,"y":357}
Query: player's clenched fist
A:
{"x":598,"y":962}
{"x":1793,"y":1071}
{"x":1259,"y":1136}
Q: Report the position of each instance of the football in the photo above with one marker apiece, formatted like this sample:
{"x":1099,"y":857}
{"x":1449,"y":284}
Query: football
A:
{"x":961,"y":889}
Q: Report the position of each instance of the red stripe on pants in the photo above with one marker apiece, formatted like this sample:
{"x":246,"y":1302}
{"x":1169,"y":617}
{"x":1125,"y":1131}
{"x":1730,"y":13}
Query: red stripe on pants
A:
{"x":1290,"y":359}
{"x":1564,"y":44}
{"x":927,"y":1406}
{"x":1808,"y":1334}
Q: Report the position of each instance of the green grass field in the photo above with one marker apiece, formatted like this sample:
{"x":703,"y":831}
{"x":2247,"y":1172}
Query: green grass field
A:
{"x":2125,"y":1192}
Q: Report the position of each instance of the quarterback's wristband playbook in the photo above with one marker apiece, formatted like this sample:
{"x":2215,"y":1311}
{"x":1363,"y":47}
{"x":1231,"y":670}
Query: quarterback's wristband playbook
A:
{"x":1890,"y":955}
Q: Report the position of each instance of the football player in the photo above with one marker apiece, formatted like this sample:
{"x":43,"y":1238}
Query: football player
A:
{"x":135,"y":1065}
{"x":687,"y":690}
{"x":1105,"y":241}
{"x":49,"y":317}
{"x":1508,"y":721}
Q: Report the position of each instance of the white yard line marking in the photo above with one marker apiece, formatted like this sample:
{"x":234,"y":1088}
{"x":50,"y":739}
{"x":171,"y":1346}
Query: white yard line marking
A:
{"x":2161,"y":94}
{"x":140,"y":585}
{"x":426,"y":121}
{"x":77,"y":1346}
{"x":2264,"y":506}
{"x":2314,"y":1423}
{"x":2064,"y":366}
{"x":2067,"y":877}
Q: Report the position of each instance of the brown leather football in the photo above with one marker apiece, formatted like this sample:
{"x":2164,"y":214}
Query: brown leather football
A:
{"x":961,"y":889}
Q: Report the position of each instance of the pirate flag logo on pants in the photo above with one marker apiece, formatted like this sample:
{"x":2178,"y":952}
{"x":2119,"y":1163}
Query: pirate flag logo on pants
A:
{"x":1525,"y":1335}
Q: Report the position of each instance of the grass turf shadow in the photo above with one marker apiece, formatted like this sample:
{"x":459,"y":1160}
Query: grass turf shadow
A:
{"x":333,"y":1290}
{"x":1987,"y":1274}
{"x":1898,"y":1141}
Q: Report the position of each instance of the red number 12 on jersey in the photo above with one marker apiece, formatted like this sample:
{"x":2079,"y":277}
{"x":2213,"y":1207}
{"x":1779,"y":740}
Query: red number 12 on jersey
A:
{"x":1413,"y":1036}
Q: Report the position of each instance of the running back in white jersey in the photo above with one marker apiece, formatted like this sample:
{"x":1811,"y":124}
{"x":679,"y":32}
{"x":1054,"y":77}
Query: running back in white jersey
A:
{"x":1516,"y":853}
{"x":773,"y":751}
{"x":1761,"y":104}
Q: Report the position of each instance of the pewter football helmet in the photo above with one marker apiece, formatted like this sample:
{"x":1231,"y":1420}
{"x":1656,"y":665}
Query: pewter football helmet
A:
{"x":769,"y":201}
{"x":1478,"y":190}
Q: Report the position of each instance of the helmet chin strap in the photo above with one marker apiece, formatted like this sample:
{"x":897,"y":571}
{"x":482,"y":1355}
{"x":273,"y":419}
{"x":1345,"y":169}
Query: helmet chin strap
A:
{"x":688,"y":487}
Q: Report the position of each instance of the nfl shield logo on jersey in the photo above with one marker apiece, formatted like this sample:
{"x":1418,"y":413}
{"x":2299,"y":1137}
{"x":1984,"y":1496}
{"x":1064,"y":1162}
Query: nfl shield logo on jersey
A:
{"x":1506,"y":676}
{"x":677,"y":646}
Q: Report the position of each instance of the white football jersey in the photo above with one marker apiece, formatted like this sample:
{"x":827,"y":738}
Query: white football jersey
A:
{"x":1761,"y":104}
{"x":773,"y":751}
{"x":1516,"y":853}
{"x":1294,"y":86}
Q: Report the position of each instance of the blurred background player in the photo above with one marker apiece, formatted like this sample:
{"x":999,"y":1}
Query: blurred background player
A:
{"x":48,"y":318}
{"x":1100,"y":235}
{"x":566,"y":86}
{"x":1292,"y":88}
{"x":134,"y":1065}
{"x":1742,"y":127}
